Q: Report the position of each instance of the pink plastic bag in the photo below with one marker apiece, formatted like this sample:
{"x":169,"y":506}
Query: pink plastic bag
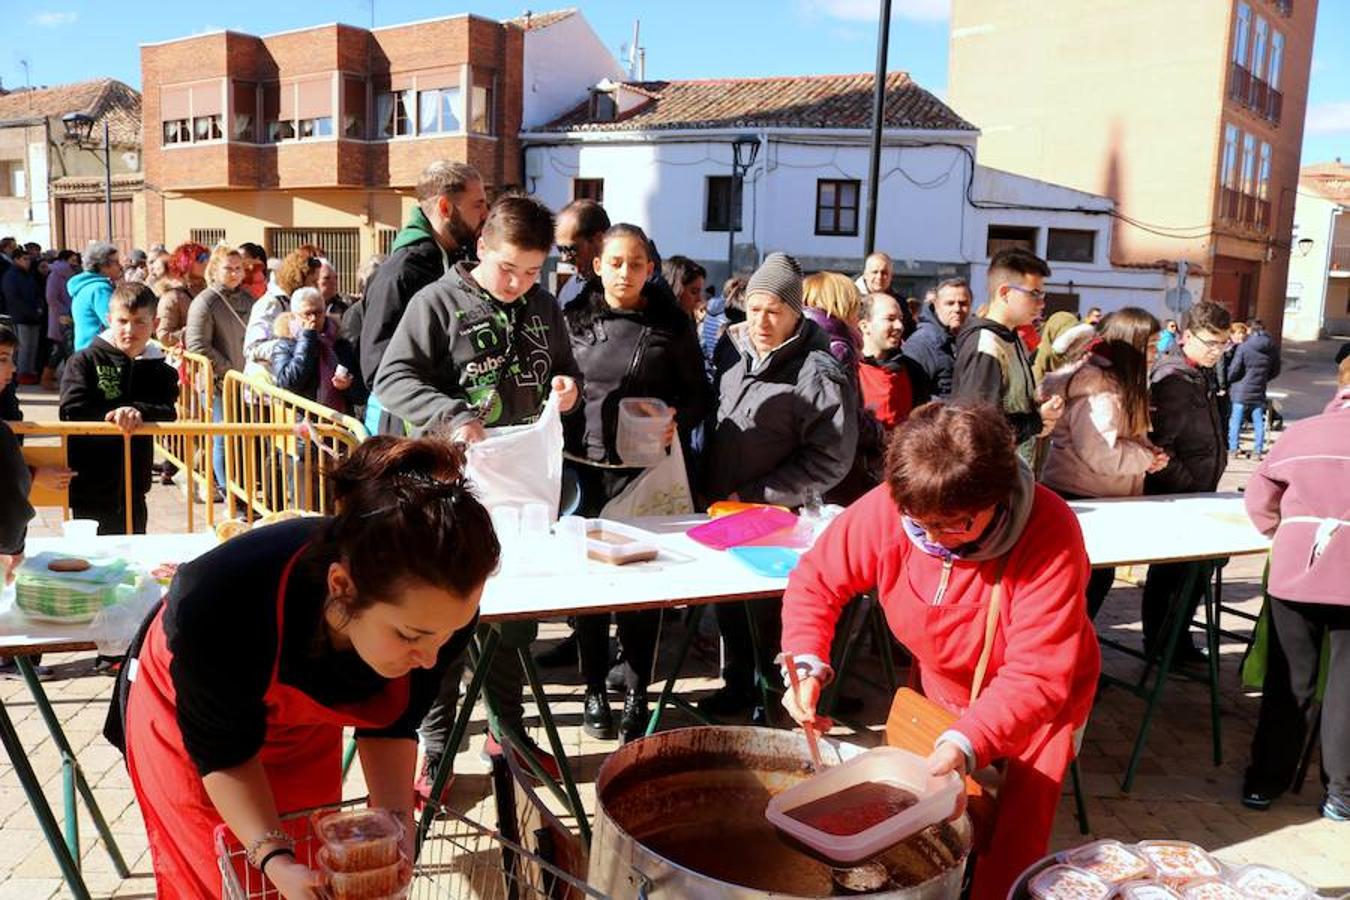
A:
{"x":742,"y":527}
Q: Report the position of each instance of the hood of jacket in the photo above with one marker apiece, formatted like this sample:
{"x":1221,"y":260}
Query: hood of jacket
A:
{"x":418,"y":228}
{"x":1083,"y":378}
{"x":928,"y":316}
{"x":975,"y":324}
{"x":1173,"y":361}
{"x":806,"y":338}
{"x":83,"y":280}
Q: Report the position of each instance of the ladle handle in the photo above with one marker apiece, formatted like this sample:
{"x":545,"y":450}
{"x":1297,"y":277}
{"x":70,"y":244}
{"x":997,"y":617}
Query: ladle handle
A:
{"x":795,"y":681}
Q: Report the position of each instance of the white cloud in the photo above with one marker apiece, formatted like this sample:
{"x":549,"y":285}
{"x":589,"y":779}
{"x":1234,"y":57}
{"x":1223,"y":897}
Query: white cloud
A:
{"x":53,"y":19}
{"x":1328,"y":118}
{"x":867,"y":10}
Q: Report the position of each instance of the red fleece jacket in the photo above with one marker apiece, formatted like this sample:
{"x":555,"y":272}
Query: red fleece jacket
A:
{"x":1043,"y":672}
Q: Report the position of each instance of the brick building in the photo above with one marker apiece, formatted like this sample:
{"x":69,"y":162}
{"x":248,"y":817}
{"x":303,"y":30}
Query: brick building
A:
{"x":319,"y":134}
{"x":1188,"y":115}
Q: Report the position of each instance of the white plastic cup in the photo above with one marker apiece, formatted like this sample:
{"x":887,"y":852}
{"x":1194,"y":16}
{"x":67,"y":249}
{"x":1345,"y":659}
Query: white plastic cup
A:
{"x":571,"y":538}
{"x":341,"y":372}
{"x":80,"y":529}
{"x":534,"y":521}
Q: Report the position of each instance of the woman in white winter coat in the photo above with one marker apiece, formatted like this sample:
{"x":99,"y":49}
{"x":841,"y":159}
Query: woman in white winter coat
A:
{"x":1100,"y":446}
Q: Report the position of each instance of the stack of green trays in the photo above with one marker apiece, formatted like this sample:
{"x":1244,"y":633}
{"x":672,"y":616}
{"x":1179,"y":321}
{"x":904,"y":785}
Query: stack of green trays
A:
{"x":68,"y":596}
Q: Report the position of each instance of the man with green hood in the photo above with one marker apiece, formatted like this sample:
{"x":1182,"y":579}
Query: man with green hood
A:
{"x":442,"y":231}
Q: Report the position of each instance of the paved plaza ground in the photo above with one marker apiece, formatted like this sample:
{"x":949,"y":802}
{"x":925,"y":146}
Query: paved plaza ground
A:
{"x":1179,"y":792}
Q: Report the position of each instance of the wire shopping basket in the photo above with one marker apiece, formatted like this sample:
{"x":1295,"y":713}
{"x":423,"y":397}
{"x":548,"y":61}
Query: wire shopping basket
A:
{"x":460,"y":860}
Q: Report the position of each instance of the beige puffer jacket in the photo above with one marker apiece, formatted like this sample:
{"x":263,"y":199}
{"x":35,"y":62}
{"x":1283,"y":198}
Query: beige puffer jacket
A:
{"x":1091,"y":452}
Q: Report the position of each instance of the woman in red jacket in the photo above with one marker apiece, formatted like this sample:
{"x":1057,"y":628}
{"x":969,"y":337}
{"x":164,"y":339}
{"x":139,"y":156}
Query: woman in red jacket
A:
{"x":957,"y":514}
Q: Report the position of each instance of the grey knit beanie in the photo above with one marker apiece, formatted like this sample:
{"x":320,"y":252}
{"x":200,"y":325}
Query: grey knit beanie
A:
{"x":780,"y":275}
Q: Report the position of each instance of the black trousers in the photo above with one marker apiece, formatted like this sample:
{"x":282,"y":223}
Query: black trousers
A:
{"x":638,"y":632}
{"x":111,"y":515}
{"x":738,"y":669}
{"x":1287,"y":700}
{"x":1162,"y":591}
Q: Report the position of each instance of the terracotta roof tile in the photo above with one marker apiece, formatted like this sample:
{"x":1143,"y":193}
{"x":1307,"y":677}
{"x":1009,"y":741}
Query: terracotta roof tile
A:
{"x":103,"y":96}
{"x":815,"y":101}
{"x":1331,"y":180}
{"x":534,"y":21}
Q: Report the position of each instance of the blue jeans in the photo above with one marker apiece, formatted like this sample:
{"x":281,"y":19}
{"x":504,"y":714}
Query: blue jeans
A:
{"x":1240,"y":410}
{"x":218,"y":442}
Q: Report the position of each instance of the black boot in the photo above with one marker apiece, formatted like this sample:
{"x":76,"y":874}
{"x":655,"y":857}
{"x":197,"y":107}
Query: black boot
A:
{"x":633,"y":724}
{"x":597,"y":720}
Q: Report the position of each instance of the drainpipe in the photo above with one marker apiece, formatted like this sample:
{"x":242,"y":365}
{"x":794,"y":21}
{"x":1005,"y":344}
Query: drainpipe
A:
{"x":1326,"y":272}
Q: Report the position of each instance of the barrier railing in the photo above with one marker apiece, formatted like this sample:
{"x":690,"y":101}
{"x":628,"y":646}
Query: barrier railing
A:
{"x":248,"y":440}
{"x":281,"y":470}
{"x":196,"y":388}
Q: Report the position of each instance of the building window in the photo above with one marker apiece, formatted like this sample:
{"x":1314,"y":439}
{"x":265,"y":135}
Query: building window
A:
{"x":589,"y":189}
{"x":13,"y":179}
{"x":1070,"y":245}
{"x":394,"y":114}
{"x":207,"y":128}
{"x":274,"y":127}
{"x":1228,"y":174}
{"x":438,"y":111}
{"x":1276,"y":60}
{"x":1248,"y":164}
{"x":244,"y":118}
{"x":1061,"y":302}
{"x":384,"y":240}
{"x":177,"y":131}
{"x":481,"y":96}
{"x":723,"y":208}
{"x":354,"y":108}
{"x":207,"y":237}
{"x":837,"y":206}
{"x":320,"y":126}
{"x":604,"y":108}
{"x":1242,"y":27}
{"x":1007,"y":237}
{"x":342,"y":246}
{"x":1261,"y":34}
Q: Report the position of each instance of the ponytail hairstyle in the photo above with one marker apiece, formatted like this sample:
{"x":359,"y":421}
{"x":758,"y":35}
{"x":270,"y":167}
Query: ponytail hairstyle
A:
{"x":406,"y":514}
{"x":1123,"y":343}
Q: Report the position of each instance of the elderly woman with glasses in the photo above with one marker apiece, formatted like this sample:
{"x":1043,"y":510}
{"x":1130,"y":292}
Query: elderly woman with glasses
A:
{"x":960,"y":538}
{"x":300,"y":268}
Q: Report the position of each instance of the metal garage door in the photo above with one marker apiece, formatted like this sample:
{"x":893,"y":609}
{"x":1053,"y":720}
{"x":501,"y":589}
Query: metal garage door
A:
{"x":83,"y":221}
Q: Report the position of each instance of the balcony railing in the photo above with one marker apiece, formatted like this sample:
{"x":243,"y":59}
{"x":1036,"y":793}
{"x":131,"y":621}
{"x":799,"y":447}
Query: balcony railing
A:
{"x":1254,"y":93}
{"x":1239,"y":83}
{"x":1238,"y":208}
{"x":1230,"y":205}
{"x":1262,"y":222}
{"x":1275,"y":106}
{"x":1340,"y":258}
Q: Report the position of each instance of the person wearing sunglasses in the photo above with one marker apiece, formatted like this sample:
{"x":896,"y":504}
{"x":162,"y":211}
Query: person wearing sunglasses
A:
{"x":992,"y":365}
{"x":1187,"y":425}
{"x":980,"y":573}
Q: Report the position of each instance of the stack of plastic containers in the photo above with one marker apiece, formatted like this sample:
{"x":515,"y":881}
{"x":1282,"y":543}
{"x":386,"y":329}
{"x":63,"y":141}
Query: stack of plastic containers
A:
{"x":361,"y":854}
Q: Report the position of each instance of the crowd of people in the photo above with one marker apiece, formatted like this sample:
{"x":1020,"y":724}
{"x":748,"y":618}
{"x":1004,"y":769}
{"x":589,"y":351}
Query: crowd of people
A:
{"x":787,"y":388}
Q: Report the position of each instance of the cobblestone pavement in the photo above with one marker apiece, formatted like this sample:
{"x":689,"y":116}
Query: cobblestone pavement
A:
{"x":1179,"y":792}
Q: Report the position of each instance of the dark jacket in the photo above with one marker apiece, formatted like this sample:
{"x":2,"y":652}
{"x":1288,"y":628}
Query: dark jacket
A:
{"x":460,"y":354}
{"x":992,"y":367}
{"x":415,"y":262}
{"x":16,"y":479}
{"x":97,"y":380}
{"x":22,"y":294}
{"x":933,"y":347}
{"x":786,"y":425}
{"x":295,"y":366}
{"x":1186,"y":423}
{"x":1256,"y":362}
{"x":651,"y":352}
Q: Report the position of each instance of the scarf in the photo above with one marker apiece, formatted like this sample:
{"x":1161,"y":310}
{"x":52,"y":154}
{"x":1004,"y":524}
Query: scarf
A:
{"x":1003,"y":532}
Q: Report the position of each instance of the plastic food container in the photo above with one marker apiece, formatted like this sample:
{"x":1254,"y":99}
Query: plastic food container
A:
{"x":1145,"y":890}
{"x":79,"y":529}
{"x":1210,"y":889}
{"x":642,"y":429}
{"x":385,"y":883}
{"x":730,"y":507}
{"x":742,"y":527}
{"x":870,"y":803}
{"x":358,"y":840}
{"x":1111,"y":861}
{"x":1265,"y":883}
{"x":1067,"y":883}
{"x":1177,"y":862}
{"x":618,"y":544}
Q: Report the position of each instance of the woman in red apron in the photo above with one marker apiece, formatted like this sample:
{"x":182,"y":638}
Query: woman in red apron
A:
{"x":959,"y":514}
{"x":269,"y":645}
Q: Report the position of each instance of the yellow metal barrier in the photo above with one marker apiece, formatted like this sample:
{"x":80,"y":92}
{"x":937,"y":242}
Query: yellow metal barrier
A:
{"x":196,"y":390}
{"x":280,"y":470}
{"x":248,"y":438}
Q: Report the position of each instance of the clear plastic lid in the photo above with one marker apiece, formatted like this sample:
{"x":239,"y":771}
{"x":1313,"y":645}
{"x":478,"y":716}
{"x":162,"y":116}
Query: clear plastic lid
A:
{"x":866,"y":805}
{"x":383,"y":883}
{"x":1266,"y":883}
{"x":1209,"y":889}
{"x":1067,"y":883}
{"x":1145,"y":890}
{"x":1111,"y":861}
{"x":359,"y":839}
{"x":1177,"y":862}
{"x":617,"y":543}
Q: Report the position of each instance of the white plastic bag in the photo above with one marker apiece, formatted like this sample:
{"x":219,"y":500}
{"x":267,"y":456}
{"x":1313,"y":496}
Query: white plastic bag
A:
{"x":662,"y":490}
{"x":115,"y":626}
{"x":520,"y":464}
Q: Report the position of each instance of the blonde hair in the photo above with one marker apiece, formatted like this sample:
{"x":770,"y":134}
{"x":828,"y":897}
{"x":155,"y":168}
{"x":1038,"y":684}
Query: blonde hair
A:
{"x":221,"y":252}
{"x":833,"y":293}
{"x":1240,"y":329}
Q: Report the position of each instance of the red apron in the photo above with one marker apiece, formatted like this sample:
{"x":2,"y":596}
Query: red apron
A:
{"x":301,"y":753}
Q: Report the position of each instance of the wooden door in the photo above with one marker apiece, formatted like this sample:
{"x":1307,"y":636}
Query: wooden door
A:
{"x":83,"y":221}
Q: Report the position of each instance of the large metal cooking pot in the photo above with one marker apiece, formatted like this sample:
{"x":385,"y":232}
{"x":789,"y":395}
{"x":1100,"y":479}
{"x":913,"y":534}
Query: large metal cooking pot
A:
{"x":680,"y":816}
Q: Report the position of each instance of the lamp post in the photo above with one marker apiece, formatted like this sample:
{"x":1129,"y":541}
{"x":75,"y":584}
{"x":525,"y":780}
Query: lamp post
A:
{"x":743,"y":152}
{"x":878,"y":123}
{"x":79,"y":128}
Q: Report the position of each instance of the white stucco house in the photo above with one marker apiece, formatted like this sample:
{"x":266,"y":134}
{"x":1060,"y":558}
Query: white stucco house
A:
{"x":1317,"y":298}
{"x":659,"y":154}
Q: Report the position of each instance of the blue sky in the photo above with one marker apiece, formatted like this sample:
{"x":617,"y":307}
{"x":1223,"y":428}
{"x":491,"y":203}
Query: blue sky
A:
{"x":71,"y":40}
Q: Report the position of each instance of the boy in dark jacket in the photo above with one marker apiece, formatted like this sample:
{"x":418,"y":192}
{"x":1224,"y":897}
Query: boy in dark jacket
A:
{"x":1186,"y":424}
{"x":117,"y":379}
{"x":1255,"y":363}
{"x":15,"y":477}
{"x":991,"y":363}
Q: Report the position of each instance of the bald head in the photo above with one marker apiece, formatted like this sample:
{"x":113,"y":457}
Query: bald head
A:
{"x":877,"y":272}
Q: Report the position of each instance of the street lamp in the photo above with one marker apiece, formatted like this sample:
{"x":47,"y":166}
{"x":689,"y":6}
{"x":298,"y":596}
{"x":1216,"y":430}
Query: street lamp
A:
{"x":79,"y":129}
{"x":1305,"y":246}
{"x":743,"y":152}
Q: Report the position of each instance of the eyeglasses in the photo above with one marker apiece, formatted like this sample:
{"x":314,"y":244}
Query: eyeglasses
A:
{"x":1033,"y":294}
{"x":957,"y":527}
{"x":1214,"y":345}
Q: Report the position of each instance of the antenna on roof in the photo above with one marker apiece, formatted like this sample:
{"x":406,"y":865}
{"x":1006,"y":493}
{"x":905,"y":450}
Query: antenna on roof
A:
{"x":637,"y":54}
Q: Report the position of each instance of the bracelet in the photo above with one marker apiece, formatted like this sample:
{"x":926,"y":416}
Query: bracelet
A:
{"x":276,"y":851}
{"x":275,"y":836}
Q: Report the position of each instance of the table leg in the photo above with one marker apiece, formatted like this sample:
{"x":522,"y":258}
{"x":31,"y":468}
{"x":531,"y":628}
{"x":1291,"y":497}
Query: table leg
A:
{"x":348,"y":756}
{"x":25,"y":666}
{"x":72,"y":812}
{"x":1178,"y":622}
{"x":1212,"y":646}
{"x":23,"y":769}
{"x":761,"y":677}
{"x":555,"y":743}
{"x":681,"y":654}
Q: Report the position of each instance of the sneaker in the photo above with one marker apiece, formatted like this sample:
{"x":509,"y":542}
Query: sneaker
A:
{"x":1252,"y":798}
{"x":597,"y":720}
{"x":728,"y":701}
{"x":422,"y":785}
{"x":635,"y":717}
{"x":493,"y":747}
{"x":562,"y":654}
{"x":108,"y":665}
{"x":1336,"y":809}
